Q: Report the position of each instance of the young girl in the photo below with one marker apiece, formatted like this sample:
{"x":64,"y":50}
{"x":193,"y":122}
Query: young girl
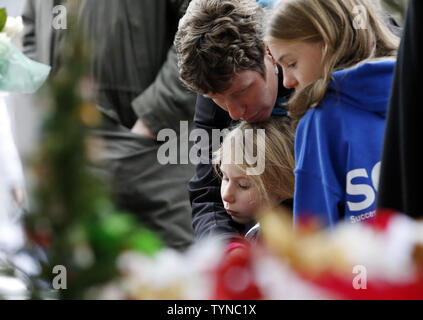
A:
{"x":339,"y":57}
{"x":244,"y":190}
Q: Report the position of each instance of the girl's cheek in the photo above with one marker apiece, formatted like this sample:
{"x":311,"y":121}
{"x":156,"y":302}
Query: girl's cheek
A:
{"x":252,"y":202}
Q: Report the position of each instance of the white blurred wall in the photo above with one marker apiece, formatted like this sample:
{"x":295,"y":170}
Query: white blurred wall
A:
{"x":13,"y":7}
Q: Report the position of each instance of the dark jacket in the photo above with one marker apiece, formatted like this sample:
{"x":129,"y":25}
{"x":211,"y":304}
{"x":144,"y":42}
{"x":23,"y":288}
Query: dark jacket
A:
{"x":134,"y":80}
{"x":208,"y":215}
{"x":401,"y":174}
{"x":135,"y":69}
{"x":134,"y":61}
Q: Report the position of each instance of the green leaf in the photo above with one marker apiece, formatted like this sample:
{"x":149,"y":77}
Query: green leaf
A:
{"x":145,"y":241}
{"x":3,"y":18}
{"x":112,"y":230}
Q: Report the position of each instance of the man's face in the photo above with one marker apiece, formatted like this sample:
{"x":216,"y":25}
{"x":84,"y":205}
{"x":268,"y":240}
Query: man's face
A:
{"x":250,"y":97}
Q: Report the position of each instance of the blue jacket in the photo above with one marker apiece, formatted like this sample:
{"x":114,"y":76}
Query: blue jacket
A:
{"x":267,"y":3}
{"x":339,"y":144}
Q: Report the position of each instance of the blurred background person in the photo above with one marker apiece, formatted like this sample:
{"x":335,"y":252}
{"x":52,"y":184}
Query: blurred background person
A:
{"x":401,"y":176}
{"x":138,"y":93}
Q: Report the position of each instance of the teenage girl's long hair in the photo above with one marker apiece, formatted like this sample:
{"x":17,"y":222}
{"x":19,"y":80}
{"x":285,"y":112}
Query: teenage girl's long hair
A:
{"x":351,"y":30}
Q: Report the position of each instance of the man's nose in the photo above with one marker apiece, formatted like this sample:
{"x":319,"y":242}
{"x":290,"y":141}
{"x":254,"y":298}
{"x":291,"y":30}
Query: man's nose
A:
{"x":236,"y":110}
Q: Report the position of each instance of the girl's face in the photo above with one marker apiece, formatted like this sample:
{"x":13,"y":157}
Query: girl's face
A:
{"x":301,"y":61}
{"x":241,"y":197}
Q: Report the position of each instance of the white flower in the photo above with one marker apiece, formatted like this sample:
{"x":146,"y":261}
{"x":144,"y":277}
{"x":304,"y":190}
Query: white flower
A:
{"x":13,"y":26}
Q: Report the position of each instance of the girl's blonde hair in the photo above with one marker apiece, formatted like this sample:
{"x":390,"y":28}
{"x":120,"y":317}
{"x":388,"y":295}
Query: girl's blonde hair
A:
{"x":278,"y":149}
{"x":351,"y":31}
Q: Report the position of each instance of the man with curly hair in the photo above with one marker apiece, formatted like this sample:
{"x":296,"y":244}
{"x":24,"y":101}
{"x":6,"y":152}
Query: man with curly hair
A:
{"x":222,"y":56}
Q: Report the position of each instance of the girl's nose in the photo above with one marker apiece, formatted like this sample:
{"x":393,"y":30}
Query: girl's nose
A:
{"x":227,"y":195}
{"x":289,"y":81}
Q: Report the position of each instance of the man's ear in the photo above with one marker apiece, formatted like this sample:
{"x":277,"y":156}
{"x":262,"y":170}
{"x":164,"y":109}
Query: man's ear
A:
{"x":267,"y":51}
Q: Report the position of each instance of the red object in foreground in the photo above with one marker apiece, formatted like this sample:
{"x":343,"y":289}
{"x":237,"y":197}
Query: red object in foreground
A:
{"x":235,"y":279}
{"x":382,"y":219}
{"x":374,"y":289}
{"x":40,"y":237}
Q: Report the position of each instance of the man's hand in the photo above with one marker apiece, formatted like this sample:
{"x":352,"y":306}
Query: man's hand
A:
{"x":140,"y":128}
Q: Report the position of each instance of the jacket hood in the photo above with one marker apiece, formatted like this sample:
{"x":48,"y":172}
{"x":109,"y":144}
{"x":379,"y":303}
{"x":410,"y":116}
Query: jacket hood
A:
{"x":366,"y":86}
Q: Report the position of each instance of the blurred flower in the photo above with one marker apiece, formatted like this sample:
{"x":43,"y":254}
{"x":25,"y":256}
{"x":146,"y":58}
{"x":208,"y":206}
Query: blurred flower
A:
{"x":89,"y":114}
{"x":171,"y":274}
{"x":13,"y":26}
